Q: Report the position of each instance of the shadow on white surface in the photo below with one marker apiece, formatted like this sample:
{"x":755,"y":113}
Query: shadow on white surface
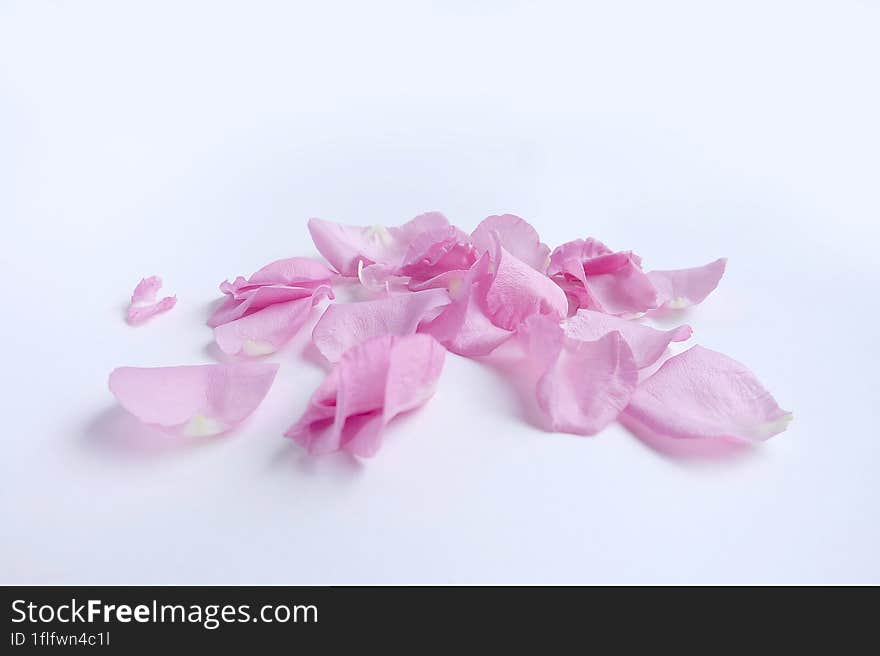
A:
{"x":115,"y":433}
{"x":339,"y":465}
{"x":694,"y":452}
{"x":507,"y":364}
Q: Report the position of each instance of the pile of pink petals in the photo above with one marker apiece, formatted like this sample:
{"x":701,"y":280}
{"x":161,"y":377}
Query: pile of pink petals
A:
{"x":574,"y":317}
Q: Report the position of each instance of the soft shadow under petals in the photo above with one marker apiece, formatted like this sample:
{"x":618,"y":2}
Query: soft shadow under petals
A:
{"x":115,"y":433}
{"x":696,"y":451}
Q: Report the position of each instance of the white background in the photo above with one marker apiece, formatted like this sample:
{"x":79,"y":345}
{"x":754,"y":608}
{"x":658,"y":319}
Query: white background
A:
{"x":194,"y":140}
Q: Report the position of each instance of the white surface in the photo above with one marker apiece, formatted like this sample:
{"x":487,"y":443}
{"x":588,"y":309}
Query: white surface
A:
{"x":194,"y":140}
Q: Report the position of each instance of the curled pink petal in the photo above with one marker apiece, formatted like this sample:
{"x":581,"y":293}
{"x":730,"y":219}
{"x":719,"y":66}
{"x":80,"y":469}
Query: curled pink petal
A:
{"x":463,"y":326}
{"x":254,"y":300}
{"x":345,"y":246}
{"x":264,"y":332}
{"x":704,"y":394}
{"x":585,"y":384}
{"x":682,"y":288}
{"x":517,"y":237}
{"x":437,"y":251}
{"x":596,"y":278}
{"x":347,"y":324}
{"x":517,"y":292}
{"x":290,"y":272}
{"x":646,"y":343}
{"x":143,"y":301}
{"x":196,"y":400}
{"x":371,"y":384}
{"x":589,"y":384}
{"x":277,"y":282}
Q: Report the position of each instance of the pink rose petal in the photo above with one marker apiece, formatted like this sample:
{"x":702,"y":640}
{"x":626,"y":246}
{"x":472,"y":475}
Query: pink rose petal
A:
{"x":585,"y":384}
{"x":264,"y":332}
{"x":646,"y":343}
{"x":517,"y":292}
{"x":196,"y":400}
{"x":143,"y":301}
{"x":437,"y":251}
{"x":290,"y":272}
{"x":596,"y":278}
{"x":683,"y":288}
{"x":372,"y":383}
{"x":463,"y":326}
{"x":704,"y":394}
{"x":278,"y":282}
{"x":447,"y":280}
{"x":517,"y":237}
{"x":377,"y":278}
{"x":346,"y":324}
{"x":490,"y":301}
{"x":345,"y":246}
{"x":254,"y":300}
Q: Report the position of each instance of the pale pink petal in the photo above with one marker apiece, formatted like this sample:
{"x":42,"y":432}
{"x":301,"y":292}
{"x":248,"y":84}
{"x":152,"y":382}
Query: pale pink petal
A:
{"x":196,"y":400}
{"x":447,"y":280}
{"x":542,"y":338}
{"x":426,"y":222}
{"x":290,"y":272}
{"x":437,"y":251}
{"x":371,"y":384}
{"x":143,"y":301}
{"x":277,"y":282}
{"x":589,"y":384}
{"x":517,"y":292}
{"x":704,"y":394}
{"x":682,"y":288}
{"x":377,"y":278}
{"x":345,"y":246}
{"x":254,"y":300}
{"x":264,"y":332}
{"x":596,"y":278}
{"x":626,"y":291}
{"x":517,"y":237}
{"x":584,"y":385}
{"x":646,"y":343}
{"x":463,"y":326}
{"x":414,"y":367}
{"x":346,"y":324}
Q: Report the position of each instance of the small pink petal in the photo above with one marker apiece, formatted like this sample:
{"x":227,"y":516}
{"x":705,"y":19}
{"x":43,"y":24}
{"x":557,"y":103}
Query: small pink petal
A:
{"x":345,"y":246}
{"x":143,"y":301}
{"x":682,"y":288}
{"x":704,"y":394}
{"x":517,"y":237}
{"x":197,"y":400}
{"x":517,"y":292}
{"x":585,"y":384}
{"x":463,"y":326}
{"x":267,"y":330}
{"x":372,"y":383}
{"x":347,"y":324}
{"x":646,"y":343}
